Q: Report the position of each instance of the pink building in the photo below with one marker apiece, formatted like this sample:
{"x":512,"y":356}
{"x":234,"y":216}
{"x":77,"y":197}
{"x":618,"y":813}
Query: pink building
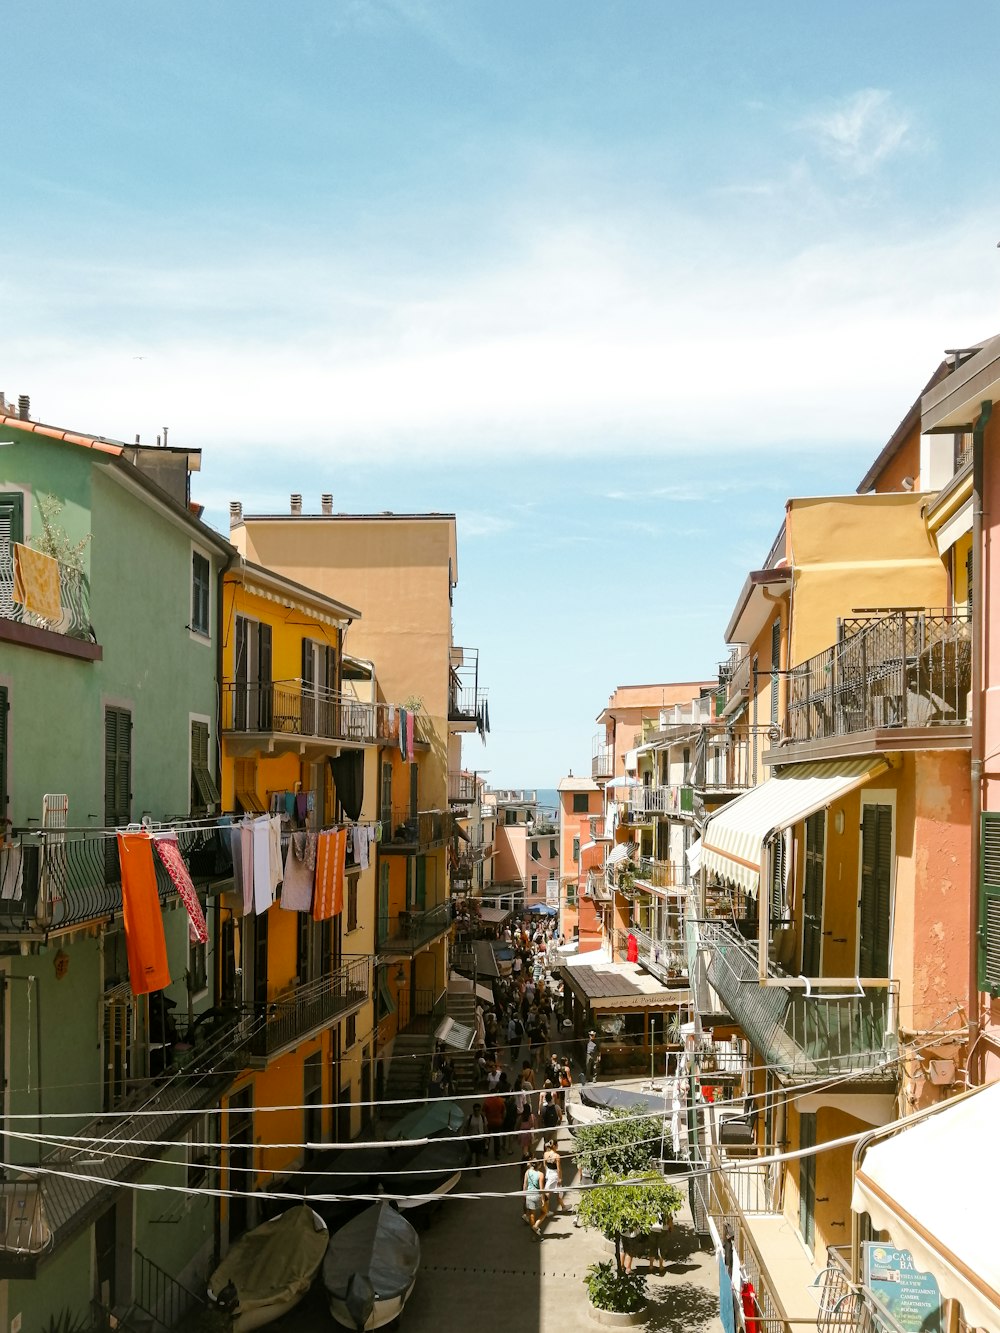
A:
{"x":526,"y":846}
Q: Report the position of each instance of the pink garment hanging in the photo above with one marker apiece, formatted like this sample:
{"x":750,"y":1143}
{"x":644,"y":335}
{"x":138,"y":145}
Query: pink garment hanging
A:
{"x":169,"y":852}
{"x":300,"y":865}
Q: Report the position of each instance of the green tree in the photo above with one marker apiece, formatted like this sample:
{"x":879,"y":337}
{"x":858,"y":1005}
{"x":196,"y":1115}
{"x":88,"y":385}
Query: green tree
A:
{"x":626,"y":1143}
{"x":628,"y":1205}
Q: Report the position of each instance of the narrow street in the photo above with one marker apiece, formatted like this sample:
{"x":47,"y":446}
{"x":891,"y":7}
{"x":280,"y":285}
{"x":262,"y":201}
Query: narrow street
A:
{"x":482,"y":1265}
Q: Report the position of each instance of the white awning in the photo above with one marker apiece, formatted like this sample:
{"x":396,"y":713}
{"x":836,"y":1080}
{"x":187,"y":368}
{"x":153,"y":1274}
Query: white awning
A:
{"x":693,"y":855}
{"x":623,"y":782}
{"x":733,"y":841}
{"x":934,"y":1187}
{"x":620,"y":852}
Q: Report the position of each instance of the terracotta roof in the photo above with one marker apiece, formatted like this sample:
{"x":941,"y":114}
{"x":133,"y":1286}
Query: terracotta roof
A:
{"x":67,"y":436}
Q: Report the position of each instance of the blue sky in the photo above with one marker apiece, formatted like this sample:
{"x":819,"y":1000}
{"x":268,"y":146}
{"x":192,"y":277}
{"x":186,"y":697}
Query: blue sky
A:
{"x":611,"y":281}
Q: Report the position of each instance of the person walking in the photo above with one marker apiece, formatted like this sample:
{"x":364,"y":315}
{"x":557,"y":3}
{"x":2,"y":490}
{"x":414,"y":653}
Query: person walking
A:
{"x":476,"y":1129}
{"x":526,"y":1133}
{"x":593,"y":1057}
{"x":552,"y":1164}
{"x":494,"y":1109}
{"x":534,"y":1204}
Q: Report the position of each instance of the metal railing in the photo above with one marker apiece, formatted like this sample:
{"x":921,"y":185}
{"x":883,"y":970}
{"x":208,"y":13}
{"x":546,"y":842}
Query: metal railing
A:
{"x":809,"y":1031}
{"x":426,"y":828}
{"x":602,"y":764}
{"x":902,"y":669}
{"x":420,"y":1010}
{"x":74,"y":602}
{"x":661,"y":874}
{"x":728,"y":1182}
{"x":57,"y":878}
{"x":462,"y":788}
{"x":293,"y":1015}
{"x":289,"y":707}
{"x":753,"y":1187}
{"x":161,"y":1296}
{"x":387,"y":722}
{"x":411,"y":929}
{"x":466,"y":697}
{"x":848,"y":1306}
{"x":663,"y":956}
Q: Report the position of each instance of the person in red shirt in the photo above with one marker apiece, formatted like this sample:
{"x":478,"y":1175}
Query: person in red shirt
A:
{"x":494,"y":1110}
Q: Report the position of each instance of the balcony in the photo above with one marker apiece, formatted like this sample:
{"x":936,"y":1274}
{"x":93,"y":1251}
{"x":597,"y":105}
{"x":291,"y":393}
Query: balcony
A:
{"x":387,"y":719}
{"x":302,"y":1011}
{"x":407,"y":833}
{"x":644,"y":803}
{"x":70,"y":634}
{"x":804,"y":1032}
{"x":409,"y":931}
{"x":662,"y":957}
{"x":275,"y":712}
{"x":906,"y":669}
{"x":468,"y":709}
{"x":660,"y":874}
{"x":462,"y":788}
{"x":602,"y":764}
{"x":52,"y":880}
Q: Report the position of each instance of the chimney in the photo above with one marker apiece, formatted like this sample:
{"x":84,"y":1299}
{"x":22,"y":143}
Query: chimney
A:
{"x":137,"y":438}
{"x":295,"y":503}
{"x":235,"y":513}
{"x":327,"y":503}
{"x":24,"y":407}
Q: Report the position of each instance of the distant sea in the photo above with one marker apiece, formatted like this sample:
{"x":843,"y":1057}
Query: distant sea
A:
{"x":548,"y":799}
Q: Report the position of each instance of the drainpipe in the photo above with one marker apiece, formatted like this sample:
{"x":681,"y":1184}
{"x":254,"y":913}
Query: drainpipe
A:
{"x":231,"y":559}
{"x":978,"y":721}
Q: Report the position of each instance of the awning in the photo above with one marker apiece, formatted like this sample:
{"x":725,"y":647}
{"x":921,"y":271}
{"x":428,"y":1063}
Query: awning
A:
{"x":493,"y":916}
{"x":693,"y":855}
{"x":460,"y":833}
{"x":934,"y":1187}
{"x":621,"y":852}
{"x":734,"y":838}
{"x":615,"y":783}
{"x":459,"y":1036}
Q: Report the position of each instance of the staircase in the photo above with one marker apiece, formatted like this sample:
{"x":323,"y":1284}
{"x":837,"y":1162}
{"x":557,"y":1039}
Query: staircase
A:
{"x":409,"y":1072}
{"x":462,"y":1008}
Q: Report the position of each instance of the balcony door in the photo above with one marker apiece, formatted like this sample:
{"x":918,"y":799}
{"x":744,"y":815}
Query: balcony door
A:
{"x":875,"y":905}
{"x":812,"y":895}
{"x":807,"y":1180}
{"x":252,"y":709}
{"x":319,"y":682}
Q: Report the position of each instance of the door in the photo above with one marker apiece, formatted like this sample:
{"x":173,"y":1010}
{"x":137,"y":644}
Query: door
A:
{"x":807,"y":1180}
{"x":382,"y":928}
{"x":105,"y":1257}
{"x":117,"y":781}
{"x":312,"y":1097}
{"x":252,"y":707}
{"x":875,"y":908}
{"x":420,"y":895}
{"x":260,"y":961}
{"x":240,"y":1175}
{"x":812,"y":894}
{"x":385,"y":804}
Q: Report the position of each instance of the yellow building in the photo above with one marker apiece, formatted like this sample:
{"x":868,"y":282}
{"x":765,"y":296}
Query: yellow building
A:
{"x":299,"y":728}
{"x":400,"y":570}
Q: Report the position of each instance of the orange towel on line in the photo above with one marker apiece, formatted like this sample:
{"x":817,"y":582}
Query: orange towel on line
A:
{"x":331,"y":856}
{"x":36,"y":582}
{"x":145,"y":942}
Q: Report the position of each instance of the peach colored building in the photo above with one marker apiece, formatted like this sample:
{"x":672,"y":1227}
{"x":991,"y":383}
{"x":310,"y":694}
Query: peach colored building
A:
{"x":630,"y":710}
{"x":581,"y":822}
{"x":527,"y":847}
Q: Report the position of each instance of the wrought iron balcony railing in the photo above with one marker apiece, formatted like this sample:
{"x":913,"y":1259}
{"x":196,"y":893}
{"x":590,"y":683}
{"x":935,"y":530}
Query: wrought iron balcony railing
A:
{"x":466,"y":697}
{"x":403,"y":831}
{"x":661,"y":874}
{"x":462,"y":788}
{"x":602,"y":764}
{"x":804,"y":1031}
{"x":292,"y":1016}
{"x":903,"y":669}
{"x":56,"y":878}
{"x":409,"y":930}
{"x":290,"y":708}
{"x":74,"y":602}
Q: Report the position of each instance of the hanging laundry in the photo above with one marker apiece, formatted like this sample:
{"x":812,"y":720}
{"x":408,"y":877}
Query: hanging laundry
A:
{"x":169,"y":852}
{"x":402,"y":732}
{"x":275,"y":868}
{"x":300,"y":872}
{"x":236,"y":846}
{"x":37,"y":583}
{"x":348,"y":772}
{"x":409,"y":737}
{"x":246,"y":855}
{"x":390,"y":730}
{"x":362,"y":841}
{"x":751,"y":1315}
{"x":378,"y":830}
{"x":11,"y":872}
{"x":263,"y":892}
{"x":145,"y":942}
{"x":301,"y":806}
{"x":331,"y":852}
{"x":289,"y":803}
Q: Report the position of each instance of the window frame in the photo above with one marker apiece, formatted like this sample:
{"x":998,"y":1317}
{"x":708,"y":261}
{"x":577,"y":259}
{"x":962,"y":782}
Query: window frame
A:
{"x":201,"y":597}
{"x":581,"y":803}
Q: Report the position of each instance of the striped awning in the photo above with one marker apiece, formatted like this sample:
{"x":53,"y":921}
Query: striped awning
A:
{"x":734,"y":839}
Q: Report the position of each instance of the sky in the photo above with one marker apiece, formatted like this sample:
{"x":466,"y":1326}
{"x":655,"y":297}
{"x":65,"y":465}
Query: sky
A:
{"x":610,"y":281}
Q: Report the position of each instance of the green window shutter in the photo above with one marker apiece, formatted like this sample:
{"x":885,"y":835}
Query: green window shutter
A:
{"x":876,"y":890}
{"x":775,"y":666}
{"x":421,"y":894}
{"x":204,"y":792}
{"x":989,"y":902}
{"x":11,"y":531}
{"x":4,"y":794}
{"x":117,"y":767}
{"x":812,"y":896}
{"x":778,"y":856}
{"x":200,"y":596}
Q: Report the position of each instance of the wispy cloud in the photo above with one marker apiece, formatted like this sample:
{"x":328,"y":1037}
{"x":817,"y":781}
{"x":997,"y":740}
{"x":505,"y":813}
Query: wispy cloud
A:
{"x":862,"y":131}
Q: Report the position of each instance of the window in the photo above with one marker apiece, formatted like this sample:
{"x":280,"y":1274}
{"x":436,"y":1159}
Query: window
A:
{"x":989,"y":903}
{"x":510,"y":816}
{"x":245,"y":773}
{"x":117,"y":767}
{"x":197,"y":976}
{"x":534,"y":851}
{"x":4,"y":795}
{"x":200,"y":1156}
{"x":812,"y":894}
{"x":386,"y":1001}
{"x":11,"y":531}
{"x":779,"y":871}
{"x":875,"y":925}
{"x":205,"y":797}
{"x":352,"y":902}
{"x":351,"y":1030}
{"x":200,"y":593}
{"x":252,"y":709}
{"x":553,"y":849}
{"x":576,"y":850}
{"x":534,"y":884}
{"x":807,"y":1179}
{"x":581,"y":803}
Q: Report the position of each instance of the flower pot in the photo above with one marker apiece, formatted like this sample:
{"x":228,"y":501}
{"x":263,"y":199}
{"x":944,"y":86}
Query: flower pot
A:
{"x":614,"y":1319}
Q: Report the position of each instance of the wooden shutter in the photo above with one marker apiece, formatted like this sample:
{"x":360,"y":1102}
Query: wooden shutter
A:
{"x":11,"y":531}
{"x":203,"y":789}
{"x":775,"y":667}
{"x":876,"y":890}
{"x":413,"y":790}
{"x":970,"y":591}
{"x":117,"y":767}
{"x":778,"y":871}
{"x":386,"y":801}
{"x":420,"y":897}
{"x":989,"y":902}
{"x":264,"y":675}
{"x":812,"y":893}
